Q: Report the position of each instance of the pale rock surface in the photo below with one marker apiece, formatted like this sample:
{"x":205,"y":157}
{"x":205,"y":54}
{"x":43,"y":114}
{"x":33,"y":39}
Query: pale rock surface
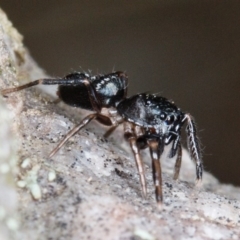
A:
{"x":90,"y":189}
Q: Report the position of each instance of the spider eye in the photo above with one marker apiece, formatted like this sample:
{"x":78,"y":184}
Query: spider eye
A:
{"x":163,"y":116}
{"x":170,"y":119}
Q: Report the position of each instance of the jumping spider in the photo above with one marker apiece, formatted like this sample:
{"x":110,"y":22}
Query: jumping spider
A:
{"x":149,"y":120}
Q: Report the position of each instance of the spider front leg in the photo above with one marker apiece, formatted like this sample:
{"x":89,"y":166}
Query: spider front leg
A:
{"x":193,"y":145}
{"x":130,"y":135}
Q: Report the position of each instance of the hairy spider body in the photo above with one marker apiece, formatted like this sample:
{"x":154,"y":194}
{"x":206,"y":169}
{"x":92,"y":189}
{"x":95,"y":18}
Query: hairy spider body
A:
{"x":149,"y":120}
{"x":108,"y":89}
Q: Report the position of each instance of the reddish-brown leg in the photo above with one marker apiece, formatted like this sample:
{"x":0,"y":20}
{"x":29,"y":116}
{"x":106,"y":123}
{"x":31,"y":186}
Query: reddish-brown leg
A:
{"x":178,"y":162}
{"x":82,"y":124}
{"x":157,"y":171}
{"x":131,"y":137}
{"x":15,"y":89}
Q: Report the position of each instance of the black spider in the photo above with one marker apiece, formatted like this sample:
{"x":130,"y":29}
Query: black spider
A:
{"x":149,"y":120}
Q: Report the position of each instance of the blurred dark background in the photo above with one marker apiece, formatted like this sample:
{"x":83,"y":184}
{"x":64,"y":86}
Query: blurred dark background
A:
{"x":188,"y":51}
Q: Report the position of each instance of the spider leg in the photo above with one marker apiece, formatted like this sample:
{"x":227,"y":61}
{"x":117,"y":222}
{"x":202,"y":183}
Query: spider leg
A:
{"x":178,"y":162}
{"x":176,"y":149}
{"x":15,"y":89}
{"x":110,"y":131}
{"x":157,"y":171}
{"x":139,"y":164}
{"x":132,"y":139}
{"x":83,"y":123}
{"x":193,"y":145}
{"x":48,"y":81}
{"x":74,"y":80}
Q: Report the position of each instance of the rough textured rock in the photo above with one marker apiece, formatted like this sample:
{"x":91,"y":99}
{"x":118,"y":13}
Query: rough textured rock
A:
{"x":90,"y":189}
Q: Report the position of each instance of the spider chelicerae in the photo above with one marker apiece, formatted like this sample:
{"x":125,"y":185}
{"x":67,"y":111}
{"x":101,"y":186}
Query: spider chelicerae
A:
{"x":150,"y":121}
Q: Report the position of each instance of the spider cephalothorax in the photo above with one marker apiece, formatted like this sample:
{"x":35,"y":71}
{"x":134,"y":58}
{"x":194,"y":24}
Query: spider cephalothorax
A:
{"x":149,"y":120}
